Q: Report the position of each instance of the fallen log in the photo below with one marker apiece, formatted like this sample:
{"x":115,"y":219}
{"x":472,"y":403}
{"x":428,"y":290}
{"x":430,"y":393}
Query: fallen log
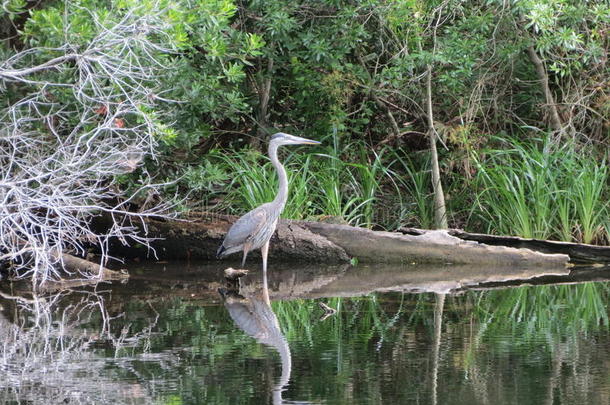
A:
{"x":428,"y":247}
{"x":199,"y":238}
{"x":76,"y":265}
{"x":71,"y":267}
{"x":76,"y":272}
{"x":317,"y":242}
{"x":580,"y":253}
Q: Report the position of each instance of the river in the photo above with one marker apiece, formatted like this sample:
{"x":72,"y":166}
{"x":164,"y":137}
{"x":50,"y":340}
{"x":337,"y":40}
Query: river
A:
{"x":179,"y":333}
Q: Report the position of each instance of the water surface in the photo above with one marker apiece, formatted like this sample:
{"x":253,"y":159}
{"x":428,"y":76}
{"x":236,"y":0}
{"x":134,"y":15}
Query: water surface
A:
{"x":179,"y":334}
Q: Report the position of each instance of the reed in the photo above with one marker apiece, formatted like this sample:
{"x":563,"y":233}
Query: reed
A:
{"x":534,"y":189}
{"x":415,"y":183}
{"x":589,"y":200}
{"x":542,"y":190}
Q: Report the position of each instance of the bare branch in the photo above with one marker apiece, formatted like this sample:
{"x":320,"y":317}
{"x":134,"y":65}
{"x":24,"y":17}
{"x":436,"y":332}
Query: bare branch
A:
{"x":8,"y":74}
{"x":60,"y":155}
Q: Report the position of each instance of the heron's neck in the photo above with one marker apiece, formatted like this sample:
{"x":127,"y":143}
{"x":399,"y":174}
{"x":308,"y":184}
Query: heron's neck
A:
{"x":286,"y":359}
{"x":282,"y":194}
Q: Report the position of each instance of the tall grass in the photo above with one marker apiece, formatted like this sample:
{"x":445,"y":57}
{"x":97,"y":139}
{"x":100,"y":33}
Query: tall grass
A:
{"x":416,"y":183}
{"x":543,"y":190}
{"x":254,"y":182}
{"x":534,"y":189}
{"x":341,"y":184}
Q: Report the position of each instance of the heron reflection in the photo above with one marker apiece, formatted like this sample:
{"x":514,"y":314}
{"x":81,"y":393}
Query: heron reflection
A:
{"x":250,"y":309}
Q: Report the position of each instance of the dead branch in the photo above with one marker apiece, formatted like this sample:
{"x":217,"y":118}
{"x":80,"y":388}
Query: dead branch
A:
{"x":75,"y":128}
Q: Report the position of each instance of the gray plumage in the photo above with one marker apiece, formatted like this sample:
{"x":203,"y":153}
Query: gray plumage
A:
{"x":254,"y":229}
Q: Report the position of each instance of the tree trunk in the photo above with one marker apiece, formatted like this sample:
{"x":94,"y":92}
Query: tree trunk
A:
{"x":554,"y":119}
{"x":263,"y":108}
{"x":440,"y":215}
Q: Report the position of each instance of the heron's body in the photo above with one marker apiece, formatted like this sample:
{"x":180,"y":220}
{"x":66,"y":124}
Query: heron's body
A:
{"x":254,"y":229}
{"x":250,"y":232}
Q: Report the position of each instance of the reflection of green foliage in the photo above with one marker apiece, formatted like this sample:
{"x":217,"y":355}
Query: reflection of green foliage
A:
{"x":367,"y":315}
{"x":377,"y":347}
{"x":205,"y":341}
{"x":540,"y":312}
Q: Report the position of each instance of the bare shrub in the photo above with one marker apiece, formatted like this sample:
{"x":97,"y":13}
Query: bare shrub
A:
{"x":78,"y":116}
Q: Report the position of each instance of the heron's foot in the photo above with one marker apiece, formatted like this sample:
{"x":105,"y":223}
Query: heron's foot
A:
{"x":234,"y":274}
{"x":230,"y":295}
{"x":328,"y":311}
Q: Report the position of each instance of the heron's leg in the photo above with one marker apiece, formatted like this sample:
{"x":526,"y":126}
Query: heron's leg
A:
{"x":246,"y":250}
{"x":264,"y":251}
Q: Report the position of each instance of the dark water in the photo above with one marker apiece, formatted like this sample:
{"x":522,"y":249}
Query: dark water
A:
{"x":413,"y":335}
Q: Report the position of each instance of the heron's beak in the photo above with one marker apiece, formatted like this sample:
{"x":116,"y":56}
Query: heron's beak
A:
{"x":305,"y":141}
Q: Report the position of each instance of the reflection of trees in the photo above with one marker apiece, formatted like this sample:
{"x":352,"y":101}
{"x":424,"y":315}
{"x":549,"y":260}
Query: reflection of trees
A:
{"x":557,"y":326}
{"x":47,"y":353}
{"x":524,"y":345}
{"x":394,"y":347}
{"x":538,"y":311}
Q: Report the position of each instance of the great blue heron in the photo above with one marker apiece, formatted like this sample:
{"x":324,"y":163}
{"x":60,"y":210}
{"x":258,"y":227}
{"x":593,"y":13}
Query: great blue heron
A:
{"x":254,"y":229}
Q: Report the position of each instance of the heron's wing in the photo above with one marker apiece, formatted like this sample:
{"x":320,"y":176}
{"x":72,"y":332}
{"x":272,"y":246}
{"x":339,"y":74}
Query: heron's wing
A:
{"x":245,"y":227}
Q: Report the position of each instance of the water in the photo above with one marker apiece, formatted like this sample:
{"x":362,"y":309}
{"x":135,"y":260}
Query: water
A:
{"x":410,"y":335}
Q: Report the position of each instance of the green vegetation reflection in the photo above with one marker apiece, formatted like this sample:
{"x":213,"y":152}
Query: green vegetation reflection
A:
{"x":375,"y":340}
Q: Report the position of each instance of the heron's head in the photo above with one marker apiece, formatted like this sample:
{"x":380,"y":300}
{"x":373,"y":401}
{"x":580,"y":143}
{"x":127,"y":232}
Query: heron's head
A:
{"x":282,"y":138}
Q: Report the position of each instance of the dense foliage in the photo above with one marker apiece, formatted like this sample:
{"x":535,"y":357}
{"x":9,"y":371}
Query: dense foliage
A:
{"x":519,"y":94}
